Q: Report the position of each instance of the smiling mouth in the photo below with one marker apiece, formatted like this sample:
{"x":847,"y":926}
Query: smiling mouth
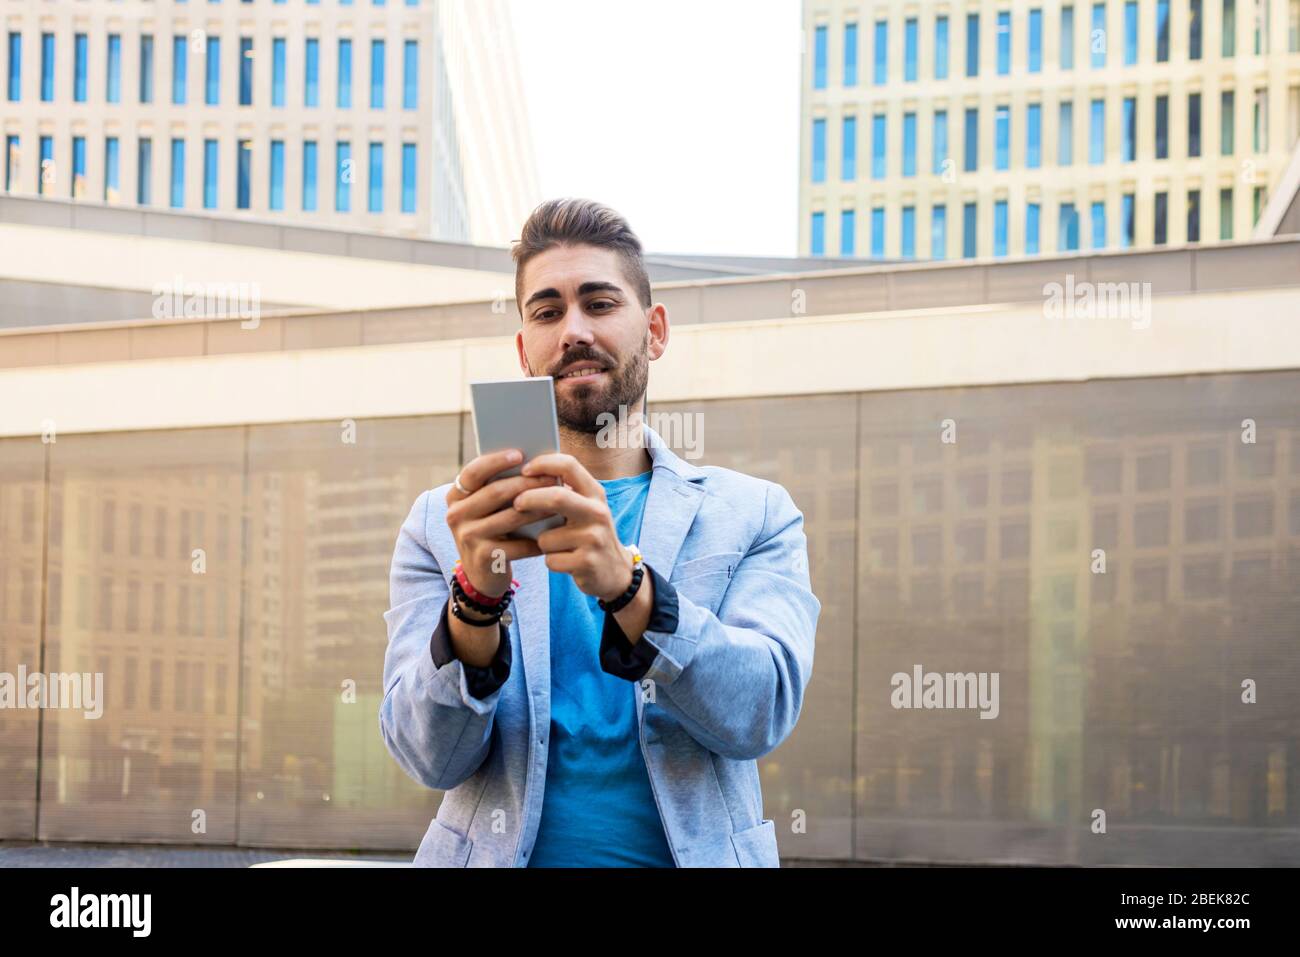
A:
{"x":585,"y":374}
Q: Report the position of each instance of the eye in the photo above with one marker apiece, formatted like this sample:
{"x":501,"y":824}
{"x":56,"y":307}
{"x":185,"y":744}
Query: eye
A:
{"x":604,"y":302}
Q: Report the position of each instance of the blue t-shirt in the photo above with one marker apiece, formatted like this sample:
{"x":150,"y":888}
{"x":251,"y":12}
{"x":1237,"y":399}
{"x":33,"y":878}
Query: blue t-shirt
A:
{"x":598,"y":809}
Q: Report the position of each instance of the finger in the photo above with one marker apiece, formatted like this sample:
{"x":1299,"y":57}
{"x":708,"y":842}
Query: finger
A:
{"x":479,"y":470}
{"x":566,"y":467}
{"x":561,"y":539}
{"x":514,"y":549}
{"x":561,"y":501}
{"x":499,"y":524}
{"x":498,"y":495}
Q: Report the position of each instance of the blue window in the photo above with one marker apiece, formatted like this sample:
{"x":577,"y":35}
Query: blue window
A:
{"x":972,"y":138}
{"x":180,"y":52}
{"x":113,"y":81}
{"x":1097,"y":38}
{"x":909,"y":50}
{"x":1194,"y":12}
{"x":146,"y":69}
{"x":941,"y":48}
{"x":1193,"y":124}
{"x":309,"y":163}
{"x":1126,"y":221}
{"x":410,"y":74}
{"x":408,"y":177}
{"x":1227,"y":122}
{"x":1031,"y":229}
{"x":45,"y":172}
{"x":1229,"y":28}
{"x":939,"y":232}
{"x":1130,"y":129}
{"x":878,"y":146}
{"x":1130,"y":32}
{"x":279,"y":66}
{"x":1004,"y":42}
{"x":909,"y":144}
{"x":1002,"y":138}
{"x":15,"y":88}
{"x":849,"y":145}
{"x":144,"y":171}
{"x":80,"y":49}
{"x":817,"y":242}
{"x":1162,"y":127}
{"x":1000,"y":227}
{"x":1034,"y":136}
{"x":1035,"y":41}
{"x":819,"y":151}
{"x":1097,"y":133}
{"x":243,"y":174}
{"x":376,"y":74}
{"x":47,"y":67}
{"x":1065,"y":135}
{"x":972,"y":44}
{"x":375,"y":200}
{"x":908,"y":230}
{"x":1068,"y":228}
{"x":343,"y":177}
{"x":311,"y":82}
{"x":212,"y":84}
{"x":277,"y":174}
{"x":1067,"y":38}
{"x":78,"y":166}
{"x":881,"y":52}
{"x":850,"y":54}
{"x":345,"y":74}
{"x":12,"y":151}
{"x":819,"y":58}
{"x":878,"y":231}
{"x":968,"y":234}
{"x":112,"y":183}
{"x":210,"y":174}
{"x":178,"y":173}
{"x":1098,"y":225}
{"x":1162,"y":31}
{"x":245,"y":71}
{"x":848,"y":229}
{"x":940,"y":141}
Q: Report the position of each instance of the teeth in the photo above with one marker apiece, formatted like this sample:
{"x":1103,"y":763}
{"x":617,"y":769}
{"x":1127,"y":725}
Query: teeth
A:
{"x":569,"y":375}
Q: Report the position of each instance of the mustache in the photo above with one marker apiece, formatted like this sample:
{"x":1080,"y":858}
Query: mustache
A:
{"x":585,"y":356}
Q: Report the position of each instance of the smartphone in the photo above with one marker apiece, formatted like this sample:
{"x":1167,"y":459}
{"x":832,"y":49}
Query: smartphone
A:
{"x":517,"y":414}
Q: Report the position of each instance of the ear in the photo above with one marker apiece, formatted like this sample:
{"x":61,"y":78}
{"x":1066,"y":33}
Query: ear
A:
{"x":657,"y":330}
{"x":523,"y":356}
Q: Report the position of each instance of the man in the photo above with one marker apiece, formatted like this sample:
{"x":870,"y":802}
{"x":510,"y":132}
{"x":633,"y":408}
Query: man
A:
{"x":566,"y":734}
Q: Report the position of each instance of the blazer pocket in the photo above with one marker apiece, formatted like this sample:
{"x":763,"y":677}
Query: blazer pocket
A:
{"x":756,"y":846}
{"x":443,"y":847}
{"x":724,"y":563}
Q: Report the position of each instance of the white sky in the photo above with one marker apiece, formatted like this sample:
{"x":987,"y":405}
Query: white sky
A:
{"x":683,"y":115}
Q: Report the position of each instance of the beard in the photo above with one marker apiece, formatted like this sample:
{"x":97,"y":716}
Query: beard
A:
{"x":579,"y":408}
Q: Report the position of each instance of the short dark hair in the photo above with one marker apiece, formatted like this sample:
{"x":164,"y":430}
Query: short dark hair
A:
{"x":567,"y":222}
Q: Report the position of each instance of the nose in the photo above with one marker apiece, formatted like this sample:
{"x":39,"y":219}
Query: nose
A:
{"x":577,"y":329}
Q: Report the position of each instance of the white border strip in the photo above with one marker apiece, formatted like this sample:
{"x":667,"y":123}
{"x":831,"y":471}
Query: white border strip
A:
{"x":1200,"y":333}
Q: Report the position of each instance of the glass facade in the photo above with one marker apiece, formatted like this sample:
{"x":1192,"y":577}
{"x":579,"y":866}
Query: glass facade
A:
{"x":974,"y":556}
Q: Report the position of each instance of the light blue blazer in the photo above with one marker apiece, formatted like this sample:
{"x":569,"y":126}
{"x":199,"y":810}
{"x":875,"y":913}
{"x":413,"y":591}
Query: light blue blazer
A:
{"x":724,"y":689}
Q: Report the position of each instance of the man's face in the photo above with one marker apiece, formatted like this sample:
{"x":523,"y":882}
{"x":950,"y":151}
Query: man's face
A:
{"x":581,"y":314}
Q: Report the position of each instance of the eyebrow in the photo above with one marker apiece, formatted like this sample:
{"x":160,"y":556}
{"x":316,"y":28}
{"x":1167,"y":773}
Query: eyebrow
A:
{"x":596,"y":285}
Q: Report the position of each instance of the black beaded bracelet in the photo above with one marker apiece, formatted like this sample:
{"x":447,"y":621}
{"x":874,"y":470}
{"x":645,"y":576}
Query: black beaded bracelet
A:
{"x":502,"y":618}
{"x":473,"y":605}
{"x":638,"y":572}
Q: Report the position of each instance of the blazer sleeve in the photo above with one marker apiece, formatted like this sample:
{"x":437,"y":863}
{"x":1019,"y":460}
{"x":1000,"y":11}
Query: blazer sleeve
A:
{"x":433,"y":724}
{"x":735,"y":680}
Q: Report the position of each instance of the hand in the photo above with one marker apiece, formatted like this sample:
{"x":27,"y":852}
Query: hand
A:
{"x":586,"y":546}
{"x":480,"y":520}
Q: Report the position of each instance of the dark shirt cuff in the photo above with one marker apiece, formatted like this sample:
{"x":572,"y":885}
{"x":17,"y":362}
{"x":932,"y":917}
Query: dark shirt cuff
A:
{"x":480,"y":681}
{"x":621,"y":658}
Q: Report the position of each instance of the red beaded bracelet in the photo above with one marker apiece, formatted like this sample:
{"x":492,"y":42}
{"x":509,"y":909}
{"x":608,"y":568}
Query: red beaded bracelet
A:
{"x":473,"y":593}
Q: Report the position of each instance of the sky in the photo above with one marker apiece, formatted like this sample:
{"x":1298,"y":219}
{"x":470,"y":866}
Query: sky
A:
{"x":683,"y":115}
